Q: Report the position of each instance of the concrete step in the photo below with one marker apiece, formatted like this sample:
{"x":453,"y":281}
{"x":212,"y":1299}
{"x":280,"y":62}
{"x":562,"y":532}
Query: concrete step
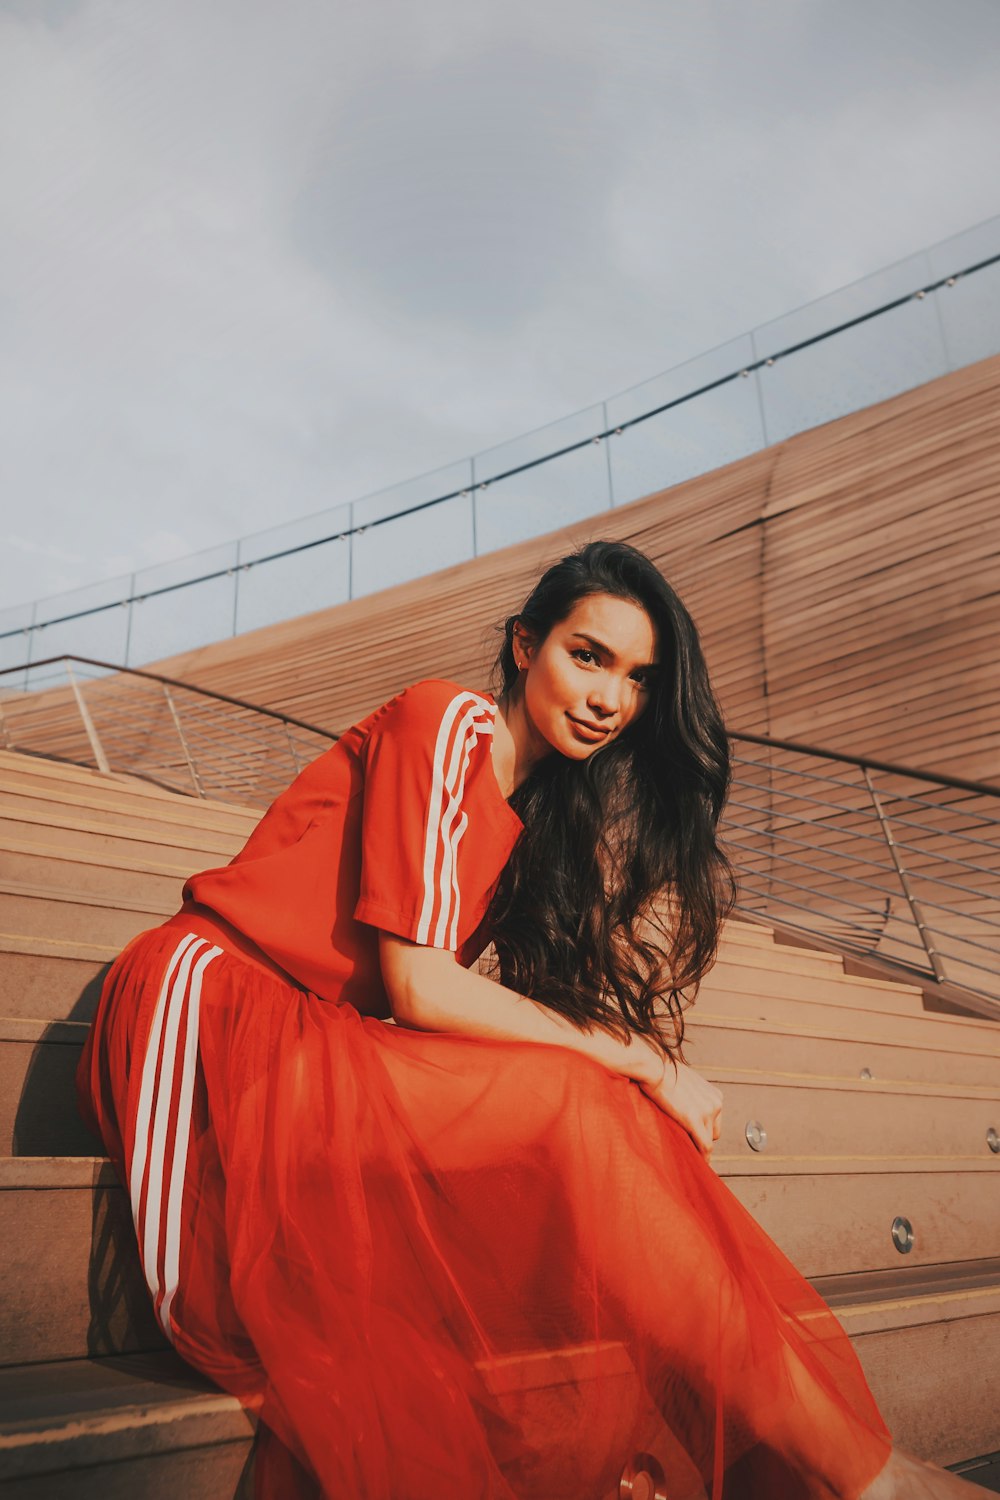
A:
{"x":70,"y":1261}
{"x":750,"y":934}
{"x":823,"y":1116}
{"x":119,"y":880}
{"x":833,"y":1215}
{"x":38,"y":1113}
{"x":76,"y":916}
{"x":146,"y":1424}
{"x":123,"y":809}
{"x":768,"y":975}
{"x":725,"y":1000}
{"x":115,"y":1429}
{"x":55,"y":978}
{"x":719,"y":1041}
{"x":191,"y":846}
{"x":50,"y":979}
{"x":932,"y":1360}
{"x":18,"y":768}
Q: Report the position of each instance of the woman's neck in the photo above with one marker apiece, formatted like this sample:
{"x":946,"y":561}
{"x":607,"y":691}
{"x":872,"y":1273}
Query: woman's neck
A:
{"x":517,"y":745}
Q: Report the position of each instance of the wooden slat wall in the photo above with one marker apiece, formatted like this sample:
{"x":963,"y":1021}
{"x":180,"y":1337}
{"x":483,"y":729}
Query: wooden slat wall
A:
{"x":846,"y":583}
{"x":332,"y":666}
{"x":882,"y":580}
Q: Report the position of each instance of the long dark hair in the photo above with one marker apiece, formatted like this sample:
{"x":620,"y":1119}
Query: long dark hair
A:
{"x":610,"y":906}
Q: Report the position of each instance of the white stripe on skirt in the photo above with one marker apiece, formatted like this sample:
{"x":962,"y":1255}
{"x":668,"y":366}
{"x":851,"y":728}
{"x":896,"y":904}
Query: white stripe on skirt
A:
{"x":167,"y":1093}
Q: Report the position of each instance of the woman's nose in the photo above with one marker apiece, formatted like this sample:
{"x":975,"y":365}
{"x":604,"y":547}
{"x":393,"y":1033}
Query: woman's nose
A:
{"x":606,"y":696}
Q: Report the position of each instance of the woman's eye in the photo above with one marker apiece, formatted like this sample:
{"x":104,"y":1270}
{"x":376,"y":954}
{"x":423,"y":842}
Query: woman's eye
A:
{"x":581,"y":651}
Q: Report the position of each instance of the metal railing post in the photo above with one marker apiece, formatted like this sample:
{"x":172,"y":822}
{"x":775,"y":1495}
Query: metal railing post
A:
{"x":292,"y":750}
{"x":472,"y":502}
{"x":236,"y":584}
{"x":128,"y":622}
{"x":607,"y":455}
{"x":937,"y":967}
{"x":184,"y":744}
{"x":88,"y":723}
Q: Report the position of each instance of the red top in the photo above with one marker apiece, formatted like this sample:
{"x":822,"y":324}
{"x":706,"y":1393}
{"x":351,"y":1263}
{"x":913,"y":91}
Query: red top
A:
{"x":373,"y":834}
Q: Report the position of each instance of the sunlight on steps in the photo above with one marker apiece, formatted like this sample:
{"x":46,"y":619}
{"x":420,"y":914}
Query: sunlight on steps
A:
{"x":849,"y":1108}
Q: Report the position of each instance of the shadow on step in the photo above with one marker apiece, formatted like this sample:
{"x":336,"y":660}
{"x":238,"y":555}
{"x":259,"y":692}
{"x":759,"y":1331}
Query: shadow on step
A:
{"x":46,"y":1121}
{"x":121,"y":1311}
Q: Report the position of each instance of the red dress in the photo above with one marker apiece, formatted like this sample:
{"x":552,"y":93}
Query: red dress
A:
{"x":438,"y":1266}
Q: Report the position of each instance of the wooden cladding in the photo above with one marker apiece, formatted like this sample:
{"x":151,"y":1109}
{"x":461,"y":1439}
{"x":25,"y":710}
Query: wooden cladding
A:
{"x":846,"y":583}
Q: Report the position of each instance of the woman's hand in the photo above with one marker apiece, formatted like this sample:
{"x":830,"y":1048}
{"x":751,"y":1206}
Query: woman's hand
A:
{"x":691,"y":1100}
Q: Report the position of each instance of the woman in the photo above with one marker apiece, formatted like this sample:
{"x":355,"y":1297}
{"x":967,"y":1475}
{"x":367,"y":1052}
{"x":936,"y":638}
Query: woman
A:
{"x":480,"y":1252}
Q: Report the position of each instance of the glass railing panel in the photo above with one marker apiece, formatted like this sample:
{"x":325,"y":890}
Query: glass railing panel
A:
{"x":901,"y":279}
{"x":715,"y":427}
{"x":970,"y":316}
{"x":580,"y":427}
{"x":299,"y":583}
{"x":539,"y":500}
{"x":412,"y":545}
{"x":191,"y":613}
{"x":79,"y":623}
{"x":15,"y":642}
{"x":965,"y":250}
{"x":700,"y":416}
{"x":854,"y":369}
{"x":425,"y":488}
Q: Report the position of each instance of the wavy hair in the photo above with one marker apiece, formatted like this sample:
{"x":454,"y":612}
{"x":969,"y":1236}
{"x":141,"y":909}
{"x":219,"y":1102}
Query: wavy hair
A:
{"x":610,"y":907}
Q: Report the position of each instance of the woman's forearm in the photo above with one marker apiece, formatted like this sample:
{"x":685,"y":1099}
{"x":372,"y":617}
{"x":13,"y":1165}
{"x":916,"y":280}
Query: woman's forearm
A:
{"x":431,"y":992}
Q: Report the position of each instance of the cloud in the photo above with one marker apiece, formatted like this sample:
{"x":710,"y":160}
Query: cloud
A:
{"x":260,"y":260}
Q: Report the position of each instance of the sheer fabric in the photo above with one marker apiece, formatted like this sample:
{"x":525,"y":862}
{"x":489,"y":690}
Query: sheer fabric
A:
{"x":439,"y":1267}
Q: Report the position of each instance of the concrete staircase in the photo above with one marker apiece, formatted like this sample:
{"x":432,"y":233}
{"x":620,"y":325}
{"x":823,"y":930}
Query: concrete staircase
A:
{"x":92,"y":1400}
{"x":865,"y":1106}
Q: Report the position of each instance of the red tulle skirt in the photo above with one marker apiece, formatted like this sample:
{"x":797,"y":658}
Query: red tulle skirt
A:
{"x":439,"y":1267}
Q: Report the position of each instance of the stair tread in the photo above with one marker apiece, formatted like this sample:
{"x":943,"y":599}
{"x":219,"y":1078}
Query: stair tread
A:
{"x":828,"y":1032}
{"x":27,"y":1030}
{"x":66,"y":1391}
{"x":82,"y":898}
{"x":43,"y":947}
{"x":46,"y":770}
{"x":47,"y":1173}
{"x":225,"y":816}
{"x":138,"y":832}
{"x":845,"y":994}
{"x":72,"y":1416}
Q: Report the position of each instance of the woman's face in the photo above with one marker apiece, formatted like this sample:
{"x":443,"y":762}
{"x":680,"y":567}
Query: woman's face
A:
{"x":592,"y":675}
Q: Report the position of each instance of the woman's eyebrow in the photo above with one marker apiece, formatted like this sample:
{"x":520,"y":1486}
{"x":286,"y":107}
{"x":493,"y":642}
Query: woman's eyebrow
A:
{"x":600,"y":646}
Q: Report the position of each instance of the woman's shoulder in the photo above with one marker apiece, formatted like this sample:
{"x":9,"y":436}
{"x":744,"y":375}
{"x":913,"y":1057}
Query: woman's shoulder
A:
{"x":431,"y":701}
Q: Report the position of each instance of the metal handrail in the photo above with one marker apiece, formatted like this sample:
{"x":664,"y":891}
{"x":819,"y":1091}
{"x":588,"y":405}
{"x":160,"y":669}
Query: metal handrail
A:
{"x":860,"y":880}
{"x":189,"y":687}
{"x":177,"y":734}
{"x":960,"y":783}
{"x":849,"y":869}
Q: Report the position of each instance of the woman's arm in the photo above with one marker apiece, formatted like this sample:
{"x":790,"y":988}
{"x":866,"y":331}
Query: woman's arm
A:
{"x":430,"y":990}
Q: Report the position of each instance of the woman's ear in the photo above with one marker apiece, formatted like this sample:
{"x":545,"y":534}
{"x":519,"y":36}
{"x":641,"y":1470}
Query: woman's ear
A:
{"x":523,"y":645}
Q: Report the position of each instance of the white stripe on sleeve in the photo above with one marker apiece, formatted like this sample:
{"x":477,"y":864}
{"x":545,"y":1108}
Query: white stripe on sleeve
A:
{"x":442,"y":805}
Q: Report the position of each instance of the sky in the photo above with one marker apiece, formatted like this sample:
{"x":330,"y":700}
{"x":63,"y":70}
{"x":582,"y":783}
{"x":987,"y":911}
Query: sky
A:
{"x":258,"y":259}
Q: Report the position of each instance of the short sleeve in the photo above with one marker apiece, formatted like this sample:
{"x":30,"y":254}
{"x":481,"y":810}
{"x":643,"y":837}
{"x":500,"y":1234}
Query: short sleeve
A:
{"x":416,"y":762}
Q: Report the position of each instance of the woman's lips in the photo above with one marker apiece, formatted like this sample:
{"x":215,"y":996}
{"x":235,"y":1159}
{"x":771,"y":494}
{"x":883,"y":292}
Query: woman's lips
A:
{"x":588,"y":731}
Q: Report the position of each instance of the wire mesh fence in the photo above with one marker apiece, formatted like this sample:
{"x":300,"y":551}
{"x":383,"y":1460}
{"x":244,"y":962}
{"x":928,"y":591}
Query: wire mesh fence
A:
{"x":897,"y":865}
{"x":183,"y":738}
{"x":902,"y":866}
